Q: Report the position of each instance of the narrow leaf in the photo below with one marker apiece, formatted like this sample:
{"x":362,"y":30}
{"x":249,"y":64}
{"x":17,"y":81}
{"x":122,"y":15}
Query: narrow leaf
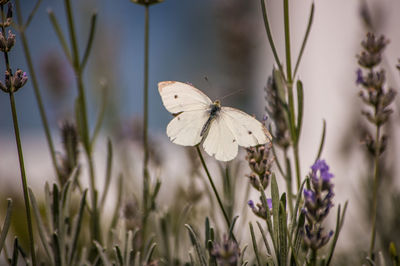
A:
{"x":41,"y":228}
{"x":275,"y":207}
{"x":14,"y":260}
{"x":196,"y":243}
{"x":6,"y":224}
{"x":264,"y":237}
{"x":103,"y":256}
{"x":300,"y":104}
{"x":90,"y":40}
{"x":77,"y":227}
{"x":253,"y":238}
{"x":339,"y":224}
{"x":321,"y":144}
{"x":107,"y":178}
{"x":283,"y":250}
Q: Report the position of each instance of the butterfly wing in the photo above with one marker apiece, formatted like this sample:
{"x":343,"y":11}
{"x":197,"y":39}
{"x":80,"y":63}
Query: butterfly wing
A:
{"x":246,"y":130}
{"x":181,"y":97}
{"x":220,"y":141}
{"x":186,"y":127}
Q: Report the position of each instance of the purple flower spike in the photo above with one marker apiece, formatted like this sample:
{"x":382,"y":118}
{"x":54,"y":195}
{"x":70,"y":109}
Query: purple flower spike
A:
{"x":317,"y":203}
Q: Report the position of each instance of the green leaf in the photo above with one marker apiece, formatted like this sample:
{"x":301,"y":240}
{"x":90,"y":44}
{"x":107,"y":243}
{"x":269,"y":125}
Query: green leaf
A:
{"x":107,"y":178}
{"x":339,"y":225}
{"x":275,"y":208}
{"x":296,"y":208}
{"x":283,"y":249}
{"x":300,"y":103}
{"x":150,"y":253}
{"x":231,"y":236}
{"x":303,"y":45}
{"x":264,"y":237}
{"x":253,"y":239}
{"x":41,"y":228}
{"x":118,"y":255}
{"x":90,"y":40}
{"x":103,"y":256}
{"x":322,"y":142}
{"x":77,"y":228}
{"x":196,"y":243}
{"x":6,"y":224}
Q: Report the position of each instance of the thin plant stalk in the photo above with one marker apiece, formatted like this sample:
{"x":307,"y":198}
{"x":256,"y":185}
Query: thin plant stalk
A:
{"x":22,"y":28}
{"x":84,"y":126}
{"x":290,"y":92}
{"x":228,"y":222}
{"x":20,"y":153}
{"x":145,"y":122}
{"x":23,"y":177}
{"x":375,"y":191}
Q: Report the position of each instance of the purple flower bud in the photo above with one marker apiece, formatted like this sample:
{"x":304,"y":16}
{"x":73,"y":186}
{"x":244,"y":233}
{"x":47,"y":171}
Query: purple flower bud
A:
{"x":269,"y":202}
{"x":360,"y":78}
{"x":251,"y":204}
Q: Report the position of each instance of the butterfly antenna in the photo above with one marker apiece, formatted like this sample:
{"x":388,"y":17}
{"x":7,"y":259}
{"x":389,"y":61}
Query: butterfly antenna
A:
{"x":208,"y":82}
{"x":232,"y":93}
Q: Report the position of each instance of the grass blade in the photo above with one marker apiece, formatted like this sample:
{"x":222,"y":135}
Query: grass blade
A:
{"x":77,"y":227}
{"x":103,"y":256}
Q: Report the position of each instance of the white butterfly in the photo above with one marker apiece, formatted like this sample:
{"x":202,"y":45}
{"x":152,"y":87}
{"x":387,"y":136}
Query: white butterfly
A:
{"x":198,"y":119}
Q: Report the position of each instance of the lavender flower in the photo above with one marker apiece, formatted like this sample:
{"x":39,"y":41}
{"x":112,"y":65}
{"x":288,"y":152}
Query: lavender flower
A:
{"x":14,"y":82}
{"x":317,"y":203}
{"x":260,"y":162}
{"x":227,"y":253}
{"x":373,"y":92}
{"x":276,"y":110}
{"x":259,"y":209}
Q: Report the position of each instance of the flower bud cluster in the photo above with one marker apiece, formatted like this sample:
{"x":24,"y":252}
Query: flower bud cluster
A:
{"x":317,"y":203}
{"x":276,"y":111}
{"x":260,"y":163}
{"x":69,"y":159}
{"x":227,"y":252}
{"x":372,"y":82}
{"x":259,"y":209}
{"x":7,"y":43}
{"x":13,"y":82}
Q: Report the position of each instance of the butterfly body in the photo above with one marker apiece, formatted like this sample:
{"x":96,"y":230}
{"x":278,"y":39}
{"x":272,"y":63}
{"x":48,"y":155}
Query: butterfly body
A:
{"x":197,"y":119}
{"x":215,"y":108}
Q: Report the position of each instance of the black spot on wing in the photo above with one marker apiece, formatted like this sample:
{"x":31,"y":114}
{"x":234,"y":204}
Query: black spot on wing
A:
{"x":249,"y":132}
{"x":176,"y":96}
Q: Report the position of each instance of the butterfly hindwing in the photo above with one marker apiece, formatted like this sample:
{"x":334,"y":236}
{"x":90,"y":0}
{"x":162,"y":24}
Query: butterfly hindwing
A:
{"x":220,"y":142}
{"x":180,"y":97}
{"x":247,"y":130}
{"x":186,"y":127}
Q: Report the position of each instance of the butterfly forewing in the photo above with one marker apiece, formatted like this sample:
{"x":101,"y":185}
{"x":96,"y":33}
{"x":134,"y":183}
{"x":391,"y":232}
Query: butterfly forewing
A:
{"x":247,"y":130}
{"x":181,"y":97}
{"x":220,"y":141}
{"x":185,"y":128}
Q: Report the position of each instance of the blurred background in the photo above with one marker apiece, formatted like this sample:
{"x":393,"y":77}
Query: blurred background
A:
{"x":224,"y":41}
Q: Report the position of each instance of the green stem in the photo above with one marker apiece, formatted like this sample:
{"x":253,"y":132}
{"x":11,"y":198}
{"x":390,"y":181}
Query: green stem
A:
{"x":288,"y":182}
{"x":145,"y":122}
{"x":20,"y":153}
{"x":23,"y":177}
{"x":36,"y":90}
{"x":313,"y":258}
{"x":228,"y":222}
{"x":84,"y":125}
{"x":375,"y":192}
{"x":290,"y":91}
{"x":287,"y":41}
